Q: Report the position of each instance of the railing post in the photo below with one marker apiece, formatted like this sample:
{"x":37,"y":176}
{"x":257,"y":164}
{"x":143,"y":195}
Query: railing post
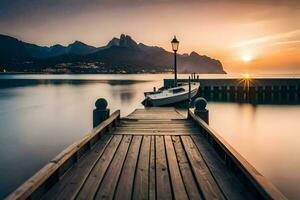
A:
{"x":200,"y":109}
{"x":101,"y":112}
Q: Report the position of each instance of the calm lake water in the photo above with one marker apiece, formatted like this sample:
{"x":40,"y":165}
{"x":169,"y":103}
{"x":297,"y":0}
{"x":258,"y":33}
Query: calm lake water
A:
{"x":40,"y":115}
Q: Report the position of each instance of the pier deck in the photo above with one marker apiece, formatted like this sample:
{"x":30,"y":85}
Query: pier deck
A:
{"x":154,"y":153}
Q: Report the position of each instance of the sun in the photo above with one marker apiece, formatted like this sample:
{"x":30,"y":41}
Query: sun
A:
{"x":246,"y":76}
{"x":247,"y":58}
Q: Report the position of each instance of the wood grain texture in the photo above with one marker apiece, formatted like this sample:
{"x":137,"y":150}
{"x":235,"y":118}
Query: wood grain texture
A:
{"x":141,"y":181}
{"x":179,"y":191}
{"x":111,"y":178}
{"x":206,"y":182}
{"x":74,"y":179}
{"x":125,"y":184}
{"x":226,"y":179}
{"x":163,"y":185}
{"x":39,"y":184}
{"x":185,"y":168}
{"x":263,"y":186}
{"x":89,"y":189}
{"x":152,"y":172}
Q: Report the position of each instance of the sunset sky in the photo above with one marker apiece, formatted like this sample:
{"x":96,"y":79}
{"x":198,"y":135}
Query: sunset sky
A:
{"x":255,"y":36}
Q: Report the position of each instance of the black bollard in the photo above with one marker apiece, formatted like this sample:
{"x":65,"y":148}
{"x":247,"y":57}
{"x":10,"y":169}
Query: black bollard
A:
{"x":200,"y":109}
{"x":101,"y":112}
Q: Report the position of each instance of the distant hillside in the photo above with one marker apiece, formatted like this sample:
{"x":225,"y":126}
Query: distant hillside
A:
{"x":120,"y":55}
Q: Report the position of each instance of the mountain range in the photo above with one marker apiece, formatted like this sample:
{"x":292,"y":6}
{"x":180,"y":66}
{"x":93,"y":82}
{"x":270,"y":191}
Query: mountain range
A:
{"x":120,"y":55}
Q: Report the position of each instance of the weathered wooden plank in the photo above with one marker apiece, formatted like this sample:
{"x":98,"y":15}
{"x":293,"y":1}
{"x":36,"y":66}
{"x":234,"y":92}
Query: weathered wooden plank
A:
{"x":72,"y":181}
{"x":263,"y":186}
{"x":68,"y":152}
{"x":125,"y":184}
{"x":34,"y":182}
{"x":154,"y":132}
{"x":231,"y":186}
{"x":94,"y":179}
{"x":161,"y":116}
{"x":110,"y":180}
{"x":163,"y":122}
{"x":163,"y":185}
{"x":152,"y":185}
{"x":209,"y":187}
{"x":141,"y":180}
{"x":44,"y":179}
{"x":187,"y":175}
{"x":156,"y":114}
{"x":158,"y":129}
{"x":156,"y":125}
{"x":179,"y":190}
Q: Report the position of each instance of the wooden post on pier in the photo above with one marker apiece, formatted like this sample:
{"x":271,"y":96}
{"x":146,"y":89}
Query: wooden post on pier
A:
{"x":268,"y":93}
{"x":232,"y":92}
{"x":252,"y":94}
{"x":259,"y":93}
{"x":206,"y":90}
{"x":101,"y":112}
{"x":292,"y":92}
{"x":200,"y":109}
{"x":216,"y":92}
{"x":240,"y":93}
{"x":224,"y":92}
{"x":275,"y":92}
{"x":283,"y":92}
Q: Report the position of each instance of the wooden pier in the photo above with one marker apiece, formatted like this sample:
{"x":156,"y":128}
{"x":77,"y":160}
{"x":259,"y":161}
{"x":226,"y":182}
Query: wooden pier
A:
{"x":253,"y":90}
{"x":154,"y":153}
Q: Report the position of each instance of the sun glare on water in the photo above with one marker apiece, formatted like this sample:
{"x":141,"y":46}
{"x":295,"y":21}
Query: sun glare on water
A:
{"x":246,"y":76}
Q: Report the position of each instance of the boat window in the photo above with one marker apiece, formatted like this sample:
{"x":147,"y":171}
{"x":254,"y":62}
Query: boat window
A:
{"x":177,"y":90}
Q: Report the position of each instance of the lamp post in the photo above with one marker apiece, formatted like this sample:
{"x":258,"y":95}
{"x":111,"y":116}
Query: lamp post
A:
{"x":175,"y":44}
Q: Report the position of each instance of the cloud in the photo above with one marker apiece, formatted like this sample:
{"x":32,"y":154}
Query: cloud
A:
{"x":276,"y":39}
{"x":286,"y":42}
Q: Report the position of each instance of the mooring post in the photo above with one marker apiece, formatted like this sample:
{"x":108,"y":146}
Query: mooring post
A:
{"x":101,"y":112}
{"x":200,"y":109}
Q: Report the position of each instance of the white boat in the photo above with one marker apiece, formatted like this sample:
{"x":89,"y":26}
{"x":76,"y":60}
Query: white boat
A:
{"x":171,"y":95}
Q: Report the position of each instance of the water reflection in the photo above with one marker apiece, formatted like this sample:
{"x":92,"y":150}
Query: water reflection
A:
{"x":267,"y":136}
{"x":7,"y":83}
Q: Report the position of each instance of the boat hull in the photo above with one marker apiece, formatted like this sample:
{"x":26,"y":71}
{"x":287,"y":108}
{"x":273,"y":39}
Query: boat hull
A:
{"x":169,"y":100}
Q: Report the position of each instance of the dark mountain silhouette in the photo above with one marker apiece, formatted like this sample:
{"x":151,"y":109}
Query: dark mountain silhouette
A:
{"x":120,"y":55}
{"x":12,"y":50}
{"x":114,"y":42}
{"x":79,"y":48}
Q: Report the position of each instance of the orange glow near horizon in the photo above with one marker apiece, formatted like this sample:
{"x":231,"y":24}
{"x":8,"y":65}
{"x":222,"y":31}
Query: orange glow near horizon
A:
{"x":246,"y":81}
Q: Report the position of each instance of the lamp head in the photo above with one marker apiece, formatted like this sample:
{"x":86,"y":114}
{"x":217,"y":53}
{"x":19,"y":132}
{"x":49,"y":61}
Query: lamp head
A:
{"x":175,"y":44}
